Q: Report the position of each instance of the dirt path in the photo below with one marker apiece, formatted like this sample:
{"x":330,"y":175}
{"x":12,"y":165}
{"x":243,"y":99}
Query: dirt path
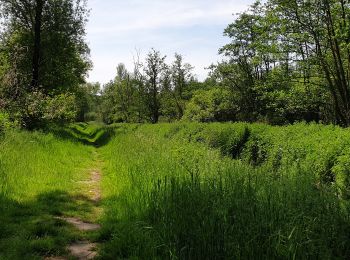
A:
{"x":84,"y":249}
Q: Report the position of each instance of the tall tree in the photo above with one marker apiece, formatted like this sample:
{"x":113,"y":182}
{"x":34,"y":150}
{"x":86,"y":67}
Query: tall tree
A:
{"x":248,"y":61}
{"x":181,"y":77}
{"x":154,"y":72}
{"x":321,"y":30}
{"x":50,"y":35}
{"x":44,"y":49}
{"x":37,"y":42}
{"x":284,"y":49}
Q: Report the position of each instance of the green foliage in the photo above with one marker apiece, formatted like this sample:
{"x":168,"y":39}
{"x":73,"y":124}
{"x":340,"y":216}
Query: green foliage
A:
{"x":284,"y":102}
{"x":5,"y":122}
{"x":88,"y":102}
{"x":321,"y":150}
{"x":64,"y":53}
{"x":210,"y":105}
{"x":61,"y":108}
{"x":92,"y":116}
{"x":58,"y":46}
{"x":123,"y":99}
{"x":287,"y":62}
{"x":341,"y":170}
{"x":154,"y":91}
{"x":44,"y":109}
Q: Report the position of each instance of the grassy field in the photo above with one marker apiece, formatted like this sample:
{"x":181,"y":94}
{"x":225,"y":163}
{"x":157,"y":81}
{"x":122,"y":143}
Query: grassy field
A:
{"x":216,"y":191}
{"x":179,"y":191}
{"x":39,"y":179}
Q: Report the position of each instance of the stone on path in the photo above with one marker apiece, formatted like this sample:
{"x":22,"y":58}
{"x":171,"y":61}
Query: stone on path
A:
{"x":83,"y":250}
{"x":80,"y":225}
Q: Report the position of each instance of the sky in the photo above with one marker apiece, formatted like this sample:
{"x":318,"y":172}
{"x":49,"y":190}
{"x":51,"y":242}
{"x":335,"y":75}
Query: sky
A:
{"x":119,"y":29}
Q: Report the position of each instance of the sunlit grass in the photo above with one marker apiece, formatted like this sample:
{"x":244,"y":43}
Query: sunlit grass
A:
{"x":39,"y":174}
{"x":167,"y":194}
{"x":179,"y":191}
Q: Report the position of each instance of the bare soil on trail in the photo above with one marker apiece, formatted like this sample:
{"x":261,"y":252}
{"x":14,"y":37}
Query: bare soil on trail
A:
{"x":80,"y":225}
{"x":95,"y":192}
{"x":84,"y":250}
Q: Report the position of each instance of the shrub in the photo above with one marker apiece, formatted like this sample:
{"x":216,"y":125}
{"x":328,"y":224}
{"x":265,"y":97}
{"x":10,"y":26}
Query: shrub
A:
{"x":341,"y":170}
{"x":323,"y":151}
{"x":209,"y":106}
{"x":92,"y":116}
{"x":5,"y":122}
{"x":41,"y":109}
{"x":61,"y":108}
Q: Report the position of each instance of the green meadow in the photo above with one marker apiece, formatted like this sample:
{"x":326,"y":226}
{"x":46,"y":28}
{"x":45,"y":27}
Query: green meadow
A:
{"x":39,"y":173}
{"x":179,"y":191}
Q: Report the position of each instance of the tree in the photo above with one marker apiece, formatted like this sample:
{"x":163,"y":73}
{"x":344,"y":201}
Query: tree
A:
{"x":88,"y":102}
{"x":152,"y":92}
{"x":121,"y":98}
{"x":125,"y":90}
{"x":248,"y":59}
{"x":282,"y":48}
{"x":43,"y":48}
{"x":181,"y":74}
{"x":37,"y":42}
{"x":154,"y":71}
{"x":324,"y":25}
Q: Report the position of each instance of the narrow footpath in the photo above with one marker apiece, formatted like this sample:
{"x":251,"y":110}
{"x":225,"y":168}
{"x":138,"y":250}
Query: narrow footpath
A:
{"x":91,"y":195}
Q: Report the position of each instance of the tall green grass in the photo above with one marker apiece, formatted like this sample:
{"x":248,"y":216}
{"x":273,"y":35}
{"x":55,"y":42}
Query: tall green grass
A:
{"x":39,"y":174}
{"x":218,"y":191}
{"x":180,"y":191}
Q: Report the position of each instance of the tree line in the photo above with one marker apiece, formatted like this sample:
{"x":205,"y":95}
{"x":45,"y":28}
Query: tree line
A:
{"x":153,"y":90}
{"x":290,"y":61}
{"x":287,"y":61}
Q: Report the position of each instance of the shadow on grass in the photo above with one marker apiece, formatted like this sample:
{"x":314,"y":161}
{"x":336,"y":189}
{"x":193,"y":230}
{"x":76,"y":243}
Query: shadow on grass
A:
{"x":31,"y":231}
{"x":88,"y":135}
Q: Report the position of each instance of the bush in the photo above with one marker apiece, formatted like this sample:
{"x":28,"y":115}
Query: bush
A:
{"x":5,"y":122}
{"x":210,"y":106}
{"x":341,"y":170}
{"x":61,"y":108}
{"x":92,"y":116}
{"x":41,"y":109}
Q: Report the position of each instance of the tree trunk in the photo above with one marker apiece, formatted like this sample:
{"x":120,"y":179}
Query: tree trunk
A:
{"x":37,"y":43}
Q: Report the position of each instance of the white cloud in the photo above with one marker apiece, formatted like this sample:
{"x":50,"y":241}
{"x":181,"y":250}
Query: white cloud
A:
{"x":111,"y":17}
{"x":117,"y":27}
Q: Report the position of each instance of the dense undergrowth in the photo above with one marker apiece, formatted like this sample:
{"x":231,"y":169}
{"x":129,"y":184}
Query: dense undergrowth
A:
{"x":237,"y":191}
{"x":39,"y":174}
